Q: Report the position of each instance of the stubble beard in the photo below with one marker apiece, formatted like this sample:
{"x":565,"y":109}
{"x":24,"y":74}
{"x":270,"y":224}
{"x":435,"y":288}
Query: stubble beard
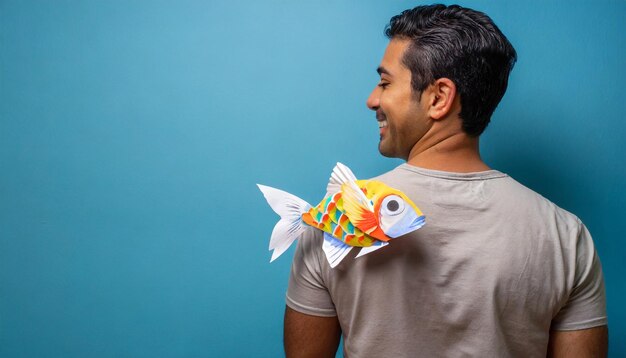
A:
{"x":386,"y":146}
{"x":386,"y":152}
{"x":382,"y":150}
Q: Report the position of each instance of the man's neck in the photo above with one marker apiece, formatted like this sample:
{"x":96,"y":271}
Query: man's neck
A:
{"x":456,"y":152}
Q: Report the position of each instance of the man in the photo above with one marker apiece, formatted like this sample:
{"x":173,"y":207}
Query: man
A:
{"x":498,"y":270}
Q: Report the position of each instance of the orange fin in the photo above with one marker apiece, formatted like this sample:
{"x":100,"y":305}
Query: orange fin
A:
{"x":358,"y":208}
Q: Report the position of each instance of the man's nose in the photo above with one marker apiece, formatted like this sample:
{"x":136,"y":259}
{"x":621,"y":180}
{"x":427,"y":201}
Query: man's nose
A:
{"x":373,"y":101}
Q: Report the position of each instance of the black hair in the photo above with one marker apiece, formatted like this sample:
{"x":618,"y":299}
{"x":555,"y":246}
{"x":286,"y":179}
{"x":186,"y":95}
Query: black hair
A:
{"x":463,"y":45}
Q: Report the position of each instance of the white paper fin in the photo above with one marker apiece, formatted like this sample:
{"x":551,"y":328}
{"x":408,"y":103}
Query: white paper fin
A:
{"x":284,"y":229}
{"x":283,"y":203}
{"x":335,"y":250}
{"x":290,"y":226}
{"x":374,"y":247}
{"x":341,"y":174}
{"x":280,"y":250}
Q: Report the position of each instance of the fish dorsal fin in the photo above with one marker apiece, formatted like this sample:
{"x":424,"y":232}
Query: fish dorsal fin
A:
{"x":341,"y":174}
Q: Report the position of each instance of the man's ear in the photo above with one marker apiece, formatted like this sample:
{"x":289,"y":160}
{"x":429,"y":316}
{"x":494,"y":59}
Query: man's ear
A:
{"x":441,"y":98}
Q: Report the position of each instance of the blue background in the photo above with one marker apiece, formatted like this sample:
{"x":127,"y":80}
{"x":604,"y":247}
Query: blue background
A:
{"x":132,"y":134}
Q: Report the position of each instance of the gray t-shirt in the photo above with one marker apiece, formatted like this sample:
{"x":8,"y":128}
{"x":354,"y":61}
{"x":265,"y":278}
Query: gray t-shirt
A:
{"x":493,"y":270}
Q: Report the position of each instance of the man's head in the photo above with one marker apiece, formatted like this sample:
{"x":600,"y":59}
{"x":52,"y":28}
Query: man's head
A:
{"x":459,"y":44}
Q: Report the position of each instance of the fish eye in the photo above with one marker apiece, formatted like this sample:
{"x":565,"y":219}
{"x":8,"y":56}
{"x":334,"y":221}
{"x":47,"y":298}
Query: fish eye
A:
{"x":392,"y":205}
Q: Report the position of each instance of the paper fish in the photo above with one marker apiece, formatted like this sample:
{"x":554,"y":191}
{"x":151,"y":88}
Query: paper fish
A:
{"x":354,"y":213}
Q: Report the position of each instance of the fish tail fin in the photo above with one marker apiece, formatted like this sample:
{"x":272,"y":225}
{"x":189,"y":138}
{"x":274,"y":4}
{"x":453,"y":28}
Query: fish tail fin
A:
{"x":290,"y":226}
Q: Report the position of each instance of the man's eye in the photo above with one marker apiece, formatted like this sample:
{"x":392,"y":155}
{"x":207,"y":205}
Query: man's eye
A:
{"x":383,"y":85}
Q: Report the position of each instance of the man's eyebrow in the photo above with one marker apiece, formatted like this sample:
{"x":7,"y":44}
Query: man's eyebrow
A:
{"x":382,"y":70}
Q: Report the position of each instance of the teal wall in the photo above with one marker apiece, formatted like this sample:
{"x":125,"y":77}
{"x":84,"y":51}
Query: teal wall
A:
{"x":132,"y":134}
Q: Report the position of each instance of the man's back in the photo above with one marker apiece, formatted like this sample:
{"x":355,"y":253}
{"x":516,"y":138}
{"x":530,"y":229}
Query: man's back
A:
{"x":497,"y":270}
{"x":495,"y":266}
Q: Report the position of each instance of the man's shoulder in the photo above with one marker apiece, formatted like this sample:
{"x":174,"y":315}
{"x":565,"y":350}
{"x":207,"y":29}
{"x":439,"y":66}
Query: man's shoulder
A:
{"x":519,"y":195}
{"x":495,"y":187}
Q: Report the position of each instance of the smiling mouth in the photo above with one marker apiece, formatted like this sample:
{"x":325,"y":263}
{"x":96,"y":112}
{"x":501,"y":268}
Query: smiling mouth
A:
{"x":381,"y":118}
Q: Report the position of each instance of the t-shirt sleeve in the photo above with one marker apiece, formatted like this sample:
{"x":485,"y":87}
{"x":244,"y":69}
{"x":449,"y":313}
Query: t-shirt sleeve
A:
{"x":307,"y":292}
{"x":586,"y":305}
